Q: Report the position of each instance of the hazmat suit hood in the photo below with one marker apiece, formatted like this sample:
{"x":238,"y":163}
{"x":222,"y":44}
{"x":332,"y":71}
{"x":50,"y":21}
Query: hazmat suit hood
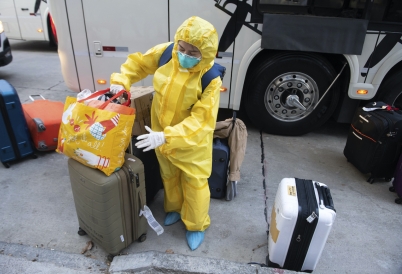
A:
{"x":203,"y":35}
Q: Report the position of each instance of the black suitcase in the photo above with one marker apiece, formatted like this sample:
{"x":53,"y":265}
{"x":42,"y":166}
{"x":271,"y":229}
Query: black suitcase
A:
{"x":374,"y":141}
{"x":220,"y":163}
{"x":153,"y":182}
{"x":15,"y":139}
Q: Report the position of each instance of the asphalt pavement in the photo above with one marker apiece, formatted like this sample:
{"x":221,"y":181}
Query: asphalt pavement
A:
{"x":38,"y":225}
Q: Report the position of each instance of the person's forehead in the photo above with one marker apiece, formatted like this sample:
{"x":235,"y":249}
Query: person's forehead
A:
{"x":185,"y":44}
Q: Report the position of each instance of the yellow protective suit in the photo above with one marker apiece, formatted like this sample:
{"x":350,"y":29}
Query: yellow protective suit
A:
{"x":186,"y":115}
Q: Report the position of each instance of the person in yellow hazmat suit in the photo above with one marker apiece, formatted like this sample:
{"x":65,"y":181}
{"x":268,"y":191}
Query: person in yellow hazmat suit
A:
{"x":183,"y":118}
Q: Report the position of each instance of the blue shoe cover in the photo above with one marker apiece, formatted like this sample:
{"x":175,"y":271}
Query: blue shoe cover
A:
{"x":194,"y":239}
{"x":171,"y":218}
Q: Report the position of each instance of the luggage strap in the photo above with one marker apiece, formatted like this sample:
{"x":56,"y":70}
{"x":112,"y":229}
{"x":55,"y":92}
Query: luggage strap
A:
{"x":215,"y":71}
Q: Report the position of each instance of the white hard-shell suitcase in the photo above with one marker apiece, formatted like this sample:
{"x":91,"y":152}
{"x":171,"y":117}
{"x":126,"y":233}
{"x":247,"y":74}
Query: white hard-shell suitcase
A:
{"x":301,"y":220}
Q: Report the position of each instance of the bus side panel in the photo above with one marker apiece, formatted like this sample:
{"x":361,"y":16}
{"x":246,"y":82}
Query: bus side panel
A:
{"x":80,"y":44}
{"x":133,"y":26}
{"x":9,"y":18}
{"x":248,"y":35}
{"x":31,"y":25}
{"x":65,"y":49}
{"x":72,"y":46}
{"x":370,"y":42}
{"x":387,"y":47}
{"x":180,"y":10}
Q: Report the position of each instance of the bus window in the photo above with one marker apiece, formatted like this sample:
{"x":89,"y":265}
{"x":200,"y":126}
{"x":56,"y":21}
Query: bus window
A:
{"x":394,"y":12}
{"x":377,"y":11}
{"x":328,"y":7}
{"x":333,"y":4}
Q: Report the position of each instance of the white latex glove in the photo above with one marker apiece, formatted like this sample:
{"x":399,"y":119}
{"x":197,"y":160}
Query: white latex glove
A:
{"x":116,"y":88}
{"x":151,"y":140}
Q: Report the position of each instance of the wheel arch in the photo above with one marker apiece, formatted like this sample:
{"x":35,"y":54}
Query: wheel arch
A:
{"x":391,"y":65}
{"x":45,"y":21}
{"x":51,"y":30}
{"x":255,"y":55}
{"x":244,"y":68}
{"x":385,"y":91}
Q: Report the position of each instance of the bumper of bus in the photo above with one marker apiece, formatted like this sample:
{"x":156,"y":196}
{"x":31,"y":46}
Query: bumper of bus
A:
{"x":6,"y":56}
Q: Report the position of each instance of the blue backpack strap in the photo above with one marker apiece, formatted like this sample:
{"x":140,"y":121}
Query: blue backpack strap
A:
{"x":166,"y":55}
{"x":215,"y":71}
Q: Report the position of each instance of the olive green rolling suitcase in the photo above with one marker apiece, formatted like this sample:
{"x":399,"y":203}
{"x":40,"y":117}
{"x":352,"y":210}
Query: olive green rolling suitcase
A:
{"x":108,"y":207}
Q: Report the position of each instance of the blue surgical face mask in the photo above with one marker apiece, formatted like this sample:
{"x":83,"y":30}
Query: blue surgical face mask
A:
{"x":187,"y":61}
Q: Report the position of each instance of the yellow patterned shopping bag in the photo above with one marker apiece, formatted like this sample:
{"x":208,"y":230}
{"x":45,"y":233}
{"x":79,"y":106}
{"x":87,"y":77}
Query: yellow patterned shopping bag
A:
{"x":95,"y":136}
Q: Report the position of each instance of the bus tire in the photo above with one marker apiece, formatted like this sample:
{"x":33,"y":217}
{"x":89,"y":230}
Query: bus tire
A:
{"x":275,"y":85}
{"x":390,"y":90}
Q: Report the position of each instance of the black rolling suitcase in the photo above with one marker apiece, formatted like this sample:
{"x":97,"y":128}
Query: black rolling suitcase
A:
{"x":153,"y":179}
{"x":15,"y":139}
{"x":220,"y":163}
{"x":374,"y":140}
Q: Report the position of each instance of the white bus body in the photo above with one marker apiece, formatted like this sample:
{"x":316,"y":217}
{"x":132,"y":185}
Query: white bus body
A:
{"x":95,"y":37}
{"x":28,"y":20}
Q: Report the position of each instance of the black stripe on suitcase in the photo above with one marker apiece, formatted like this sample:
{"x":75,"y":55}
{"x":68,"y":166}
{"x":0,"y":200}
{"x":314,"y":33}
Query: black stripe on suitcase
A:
{"x":304,"y":231}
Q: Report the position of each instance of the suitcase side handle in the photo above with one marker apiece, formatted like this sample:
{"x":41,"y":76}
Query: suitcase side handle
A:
{"x":32,"y":99}
{"x":324,"y":197}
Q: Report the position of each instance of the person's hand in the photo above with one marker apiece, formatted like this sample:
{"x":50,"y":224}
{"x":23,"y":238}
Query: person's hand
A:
{"x":151,"y":140}
{"x":115,"y":88}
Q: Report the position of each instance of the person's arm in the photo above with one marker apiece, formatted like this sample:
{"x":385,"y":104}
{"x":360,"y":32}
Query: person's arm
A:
{"x":138,"y":66}
{"x":192,"y":130}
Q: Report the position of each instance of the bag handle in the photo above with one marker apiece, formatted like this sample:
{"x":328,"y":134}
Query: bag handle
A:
{"x":117,"y":95}
{"x":101,"y":92}
{"x":95,"y":94}
{"x":31,"y":97}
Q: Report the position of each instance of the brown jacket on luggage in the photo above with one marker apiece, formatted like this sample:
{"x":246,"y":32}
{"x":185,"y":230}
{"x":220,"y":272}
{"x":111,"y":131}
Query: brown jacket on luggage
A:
{"x":237,"y":140}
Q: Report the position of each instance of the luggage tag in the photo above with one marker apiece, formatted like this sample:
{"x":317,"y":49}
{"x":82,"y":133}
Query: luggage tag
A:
{"x":312,"y":217}
{"x":151,"y":220}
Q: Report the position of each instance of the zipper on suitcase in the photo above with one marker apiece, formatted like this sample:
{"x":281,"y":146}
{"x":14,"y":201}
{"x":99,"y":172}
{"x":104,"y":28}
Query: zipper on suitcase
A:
{"x":129,"y":180}
{"x":134,"y":215}
{"x":304,"y":229}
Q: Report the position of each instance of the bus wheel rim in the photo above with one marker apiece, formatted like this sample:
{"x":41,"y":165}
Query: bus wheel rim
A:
{"x":291,"y":85}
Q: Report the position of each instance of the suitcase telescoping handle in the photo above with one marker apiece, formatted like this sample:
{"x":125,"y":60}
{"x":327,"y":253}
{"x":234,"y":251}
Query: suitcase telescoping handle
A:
{"x":324,"y":196}
{"x":31,"y":97}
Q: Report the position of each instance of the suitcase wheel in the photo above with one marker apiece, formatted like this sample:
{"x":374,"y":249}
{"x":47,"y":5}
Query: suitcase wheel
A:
{"x":6,"y":165}
{"x":398,"y":200}
{"x":142,"y":238}
{"x":370,"y":180}
{"x":34,"y":156}
{"x":81,"y":232}
{"x":392,"y":189}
